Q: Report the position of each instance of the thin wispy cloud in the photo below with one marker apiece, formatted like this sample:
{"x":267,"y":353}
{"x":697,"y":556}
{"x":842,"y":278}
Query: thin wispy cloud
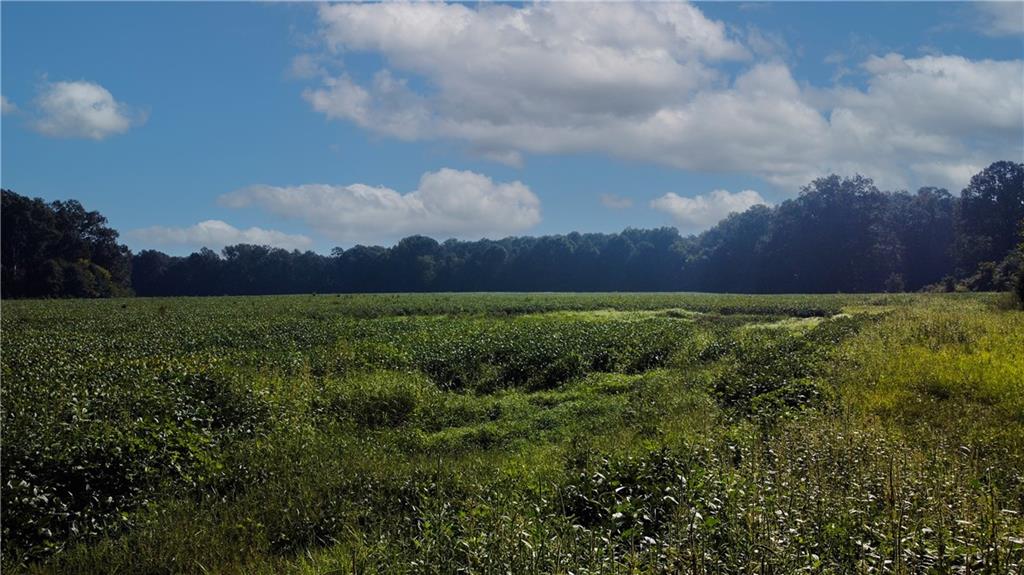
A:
{"x":615,"y":202}
{"x":999,"y":18}
{"x":215,"y":234}
{"x":7,"y":106}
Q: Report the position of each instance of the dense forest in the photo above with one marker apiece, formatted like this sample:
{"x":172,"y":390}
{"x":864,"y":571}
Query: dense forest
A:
{"x":59,"y":250}
{"x":838,"y":235}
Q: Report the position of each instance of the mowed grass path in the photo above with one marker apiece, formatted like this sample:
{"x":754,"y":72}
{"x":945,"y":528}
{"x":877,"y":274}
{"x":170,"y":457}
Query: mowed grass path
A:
{"x":514,"y":433}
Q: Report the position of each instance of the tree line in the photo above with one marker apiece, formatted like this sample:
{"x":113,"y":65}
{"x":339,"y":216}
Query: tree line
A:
{"x":838,"y":235}
{"x":59,"y":249}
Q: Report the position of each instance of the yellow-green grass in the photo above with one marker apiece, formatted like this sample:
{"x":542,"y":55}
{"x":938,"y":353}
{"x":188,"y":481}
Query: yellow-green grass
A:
{"x":955,"y":363}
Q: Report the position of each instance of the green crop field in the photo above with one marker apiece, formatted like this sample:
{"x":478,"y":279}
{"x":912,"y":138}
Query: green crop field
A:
{"x":515,"y":433}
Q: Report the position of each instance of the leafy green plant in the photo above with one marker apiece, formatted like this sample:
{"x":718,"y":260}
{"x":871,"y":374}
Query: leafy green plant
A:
{"x":592,"y":433}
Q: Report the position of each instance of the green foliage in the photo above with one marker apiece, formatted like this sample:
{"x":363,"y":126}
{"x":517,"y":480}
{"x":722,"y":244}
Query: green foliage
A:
{"x":1018,"y":288}
{"x":60,"y":250}
{"x":989,"y":214}
{"x":840,"y":234}
{"x":380,"y":399}
{"x":1018,"y":285}
{"x":944,"y":364}
{"x":592,"y":433}
{"x":631,"y":497}
{"x":96,"y":439}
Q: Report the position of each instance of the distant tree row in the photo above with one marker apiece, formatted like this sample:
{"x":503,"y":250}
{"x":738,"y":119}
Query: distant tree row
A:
{"x":838,"y":235}
{"x":846,"y":235}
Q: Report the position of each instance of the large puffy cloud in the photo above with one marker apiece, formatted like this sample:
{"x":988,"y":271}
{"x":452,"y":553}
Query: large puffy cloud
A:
{"x":215,"y":234}
{"x":447,"y":203}
{"x":703,"y":211}
{"x":938,"y":101}
{"x":540,"y":61}
{"x":935,"y":119}
{"x":7,"y":106}
{"x":644,"y":82}
{"x":81,"y":110}
{"x":520,"y":69}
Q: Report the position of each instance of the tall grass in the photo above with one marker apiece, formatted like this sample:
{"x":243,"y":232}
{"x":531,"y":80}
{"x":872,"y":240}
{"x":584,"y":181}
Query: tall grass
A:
{"x":883,"y":436}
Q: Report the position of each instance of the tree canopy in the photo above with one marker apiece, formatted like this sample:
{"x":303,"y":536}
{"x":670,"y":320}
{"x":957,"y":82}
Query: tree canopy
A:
{"x":59,"y":249}
{"x":839,"y":235}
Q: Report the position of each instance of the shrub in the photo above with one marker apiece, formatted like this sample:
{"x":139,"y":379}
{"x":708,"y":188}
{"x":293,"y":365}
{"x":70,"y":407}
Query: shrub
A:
{"x":762,"y":360}
{"x":790,"y":398}
{"x":560,"y":370}
{"x":379,"y":399}
{"x":630,"y":496}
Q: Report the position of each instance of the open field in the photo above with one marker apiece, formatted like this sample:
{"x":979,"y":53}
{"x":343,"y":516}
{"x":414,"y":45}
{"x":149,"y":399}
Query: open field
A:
{"x":516,"y":433}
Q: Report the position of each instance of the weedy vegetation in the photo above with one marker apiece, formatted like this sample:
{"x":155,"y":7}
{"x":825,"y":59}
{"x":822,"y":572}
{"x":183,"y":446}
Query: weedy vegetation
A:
{"x":516,"y":433}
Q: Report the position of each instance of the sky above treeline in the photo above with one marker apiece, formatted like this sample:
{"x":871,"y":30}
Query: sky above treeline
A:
{"x":310,"y":126}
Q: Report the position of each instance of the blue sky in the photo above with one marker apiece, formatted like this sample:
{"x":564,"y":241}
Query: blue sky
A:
{"x":311,"y":126}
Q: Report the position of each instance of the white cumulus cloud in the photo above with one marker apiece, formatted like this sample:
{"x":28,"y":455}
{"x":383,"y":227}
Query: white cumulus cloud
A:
{"x":941,"y":96}
{"x":215,"y":234}
{"x":7,"y":106}
{"x":647,"y":82}
{"x":516,"y":71}
{"x":448,"y":203}
{"x":921,"y":120}
{"x":703,"y":211}
{"x":82,"y":110}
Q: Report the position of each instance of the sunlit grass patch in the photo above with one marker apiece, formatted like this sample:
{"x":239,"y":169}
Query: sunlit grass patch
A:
{"x":790,"y":323}
{"x":940,"y":352}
